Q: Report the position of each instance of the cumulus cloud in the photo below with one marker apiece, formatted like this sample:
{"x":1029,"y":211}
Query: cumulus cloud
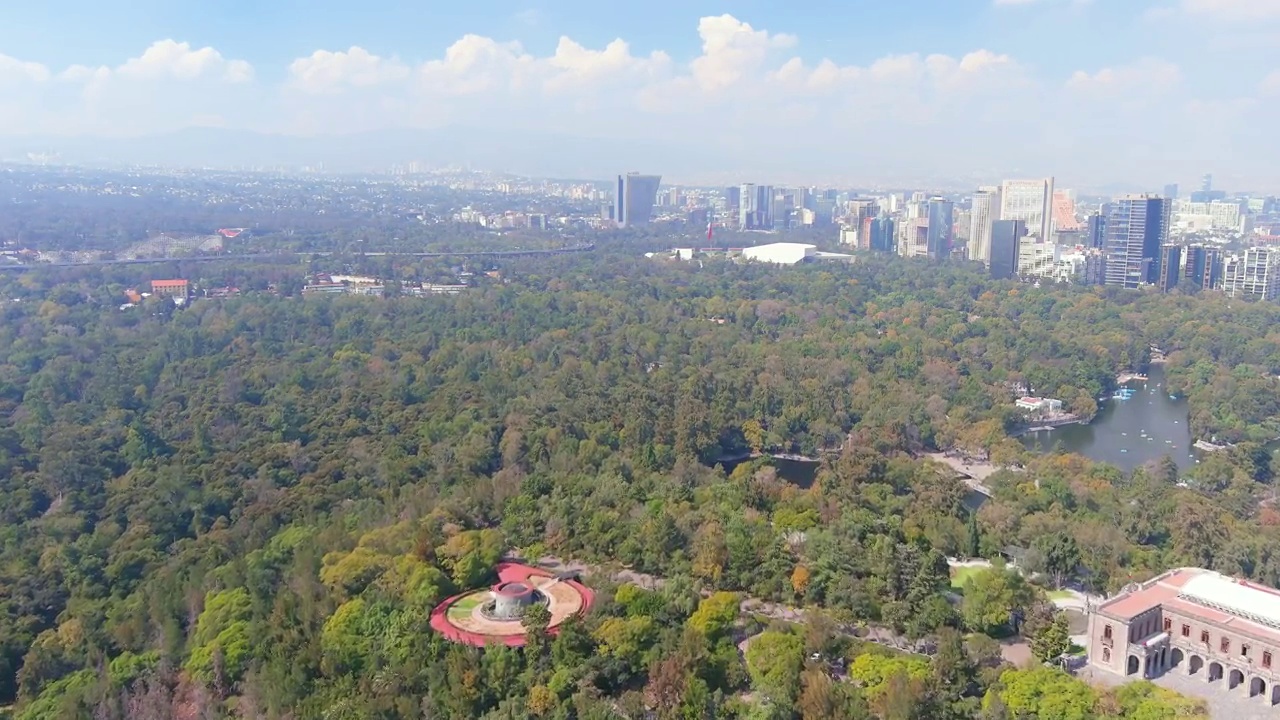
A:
{"x":329,"y":72}
{"x":1144,"y":77}
{"x":169,"y":59}
{"x":14,"y":70}
{"x":1244,"y":10}
{"x":750,"y":92}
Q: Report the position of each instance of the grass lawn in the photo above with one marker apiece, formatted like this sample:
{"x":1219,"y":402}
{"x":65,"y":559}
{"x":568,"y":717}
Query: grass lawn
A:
{"x":961,"y":575}
{"x":463,"y":607}
{"x":1060,"y":594}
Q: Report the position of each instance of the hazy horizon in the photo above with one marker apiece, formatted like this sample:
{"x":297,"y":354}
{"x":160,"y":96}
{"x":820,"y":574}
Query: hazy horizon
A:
{"x":1090,"y":92}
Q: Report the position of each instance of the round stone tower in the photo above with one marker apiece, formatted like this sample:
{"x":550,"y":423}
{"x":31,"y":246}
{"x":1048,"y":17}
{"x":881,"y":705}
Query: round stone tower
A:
{"x":510,"y":600}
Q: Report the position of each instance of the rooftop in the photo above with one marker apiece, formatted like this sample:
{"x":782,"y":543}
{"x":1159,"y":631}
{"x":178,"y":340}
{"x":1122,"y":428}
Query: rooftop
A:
{"x":1239,"y":604}
{"x":1238,"y":597}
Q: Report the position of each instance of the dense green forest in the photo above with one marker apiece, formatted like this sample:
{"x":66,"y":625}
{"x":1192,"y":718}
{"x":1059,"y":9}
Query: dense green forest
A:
{"x":248,"y":507}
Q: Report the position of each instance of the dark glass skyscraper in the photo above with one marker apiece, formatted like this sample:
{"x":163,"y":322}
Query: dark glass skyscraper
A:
{"x":941,"y":225}
{"x":1098,"y":230}
{"x":634,"y":198}
{"x":882,"y":234}
{"x":1170,"y":267}
{"x":1204,"y":266}
{"x":1137,"y":227}
{"x":1006,"y":238}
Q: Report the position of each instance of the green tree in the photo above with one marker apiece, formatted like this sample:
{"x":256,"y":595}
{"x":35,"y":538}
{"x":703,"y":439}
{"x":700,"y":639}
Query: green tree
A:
{"x":774,"y":661}
{"x":973,"y":538}
{"x":1052,"y":640}
{"x":1061,"y":555}
{"x":221,"y":644}
{"x":1044,"y":693}
{"x":715,"y":615}
{"x":991,"y":595}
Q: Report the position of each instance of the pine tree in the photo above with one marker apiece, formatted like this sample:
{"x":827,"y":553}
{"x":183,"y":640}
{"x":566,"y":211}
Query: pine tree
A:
{"x":1053,"y":640}
{"x":974,"y":538}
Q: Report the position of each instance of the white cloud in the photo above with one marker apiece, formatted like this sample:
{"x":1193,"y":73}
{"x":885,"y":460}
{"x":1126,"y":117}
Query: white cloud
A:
{"x":1144,"y":77}
{"x":1270,"y":85}
{"x":1243,"y":10}
{"x":168,"y":60}
{"x":329,"y":72}
{"x":754,"y":95}
{"x":171,"y":59}
{"x":12,"y":69}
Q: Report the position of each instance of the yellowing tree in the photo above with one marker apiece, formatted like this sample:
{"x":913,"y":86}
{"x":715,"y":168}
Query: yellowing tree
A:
{"x":800,"y":579}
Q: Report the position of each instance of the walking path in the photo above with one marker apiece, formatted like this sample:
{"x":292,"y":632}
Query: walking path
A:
{"x":973,"y":473}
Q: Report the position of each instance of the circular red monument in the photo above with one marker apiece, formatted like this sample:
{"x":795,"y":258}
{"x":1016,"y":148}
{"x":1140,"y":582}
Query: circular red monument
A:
{"x":494,"y":615}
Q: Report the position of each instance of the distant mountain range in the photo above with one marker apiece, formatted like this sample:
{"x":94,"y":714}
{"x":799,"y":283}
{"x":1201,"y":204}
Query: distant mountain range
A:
{"x":521,"y":153}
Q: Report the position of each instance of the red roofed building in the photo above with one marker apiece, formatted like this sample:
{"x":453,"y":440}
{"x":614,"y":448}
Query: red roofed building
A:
{"x":1195,"y":622}
{"x":171,"y":288}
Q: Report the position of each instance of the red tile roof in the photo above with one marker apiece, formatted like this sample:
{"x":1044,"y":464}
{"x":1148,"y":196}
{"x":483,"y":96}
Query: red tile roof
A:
{"x":1168,"y":591}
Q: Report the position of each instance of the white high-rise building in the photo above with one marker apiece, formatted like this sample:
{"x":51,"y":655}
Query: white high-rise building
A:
{"x":985,"y":211}
{"x":1253,"y":274}
{"x":1036,"y":259}
{"x":1225,"y":214}
{"x":1030,"y":201}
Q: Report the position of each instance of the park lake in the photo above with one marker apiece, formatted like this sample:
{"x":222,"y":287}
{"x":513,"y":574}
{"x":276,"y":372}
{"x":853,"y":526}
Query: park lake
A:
{"x":1125,"y":433}
{"x":1128,"y":433}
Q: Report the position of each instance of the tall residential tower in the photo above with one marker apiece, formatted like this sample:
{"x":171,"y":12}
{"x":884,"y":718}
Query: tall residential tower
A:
{"x":941,"y":228}
{"x":1136,"y":227}
{"x":985,"y":210}
{"x":1030,"y":201}
{"x":634,"y":198}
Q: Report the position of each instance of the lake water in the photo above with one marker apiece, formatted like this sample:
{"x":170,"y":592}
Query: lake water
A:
{"x":797,"y":472}
{"x":1128,"y":433}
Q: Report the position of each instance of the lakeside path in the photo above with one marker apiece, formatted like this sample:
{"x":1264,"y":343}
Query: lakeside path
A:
{"x":976,"y":470}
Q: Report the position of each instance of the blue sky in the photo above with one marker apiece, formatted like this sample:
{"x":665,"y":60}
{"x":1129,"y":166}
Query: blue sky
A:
{"x":1075,"y":86}
{"x":270,"y":33}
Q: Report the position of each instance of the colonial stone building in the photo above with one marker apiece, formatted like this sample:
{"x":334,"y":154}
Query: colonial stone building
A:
{"x":1196,"y":622}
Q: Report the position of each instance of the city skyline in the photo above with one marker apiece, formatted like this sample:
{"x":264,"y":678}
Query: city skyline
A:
{"x":957,"y":95}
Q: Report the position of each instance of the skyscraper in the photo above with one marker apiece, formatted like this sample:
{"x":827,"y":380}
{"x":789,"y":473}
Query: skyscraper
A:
{"x":1206,"y":183}
{"x":746,"y":205}
{"x":1170,"y":267}
{"x":732,"y":196}
{"x":941,"y":227}
{"x":633,"y":201}
{"x":1030,"y":201}
{"x":1171,"y":191}
{"x":1136,"y":227}
{"x":1253,"y":274}
{"x":1064,"y":213}
{"x":1098,"y":229}
{"x":984,"y":211}
{"x":1204,"y":265}
{"x":1006,"y":237}
{"x":764,"y":207}
{"x":755,"y":207}
{"x":882,"y":234}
